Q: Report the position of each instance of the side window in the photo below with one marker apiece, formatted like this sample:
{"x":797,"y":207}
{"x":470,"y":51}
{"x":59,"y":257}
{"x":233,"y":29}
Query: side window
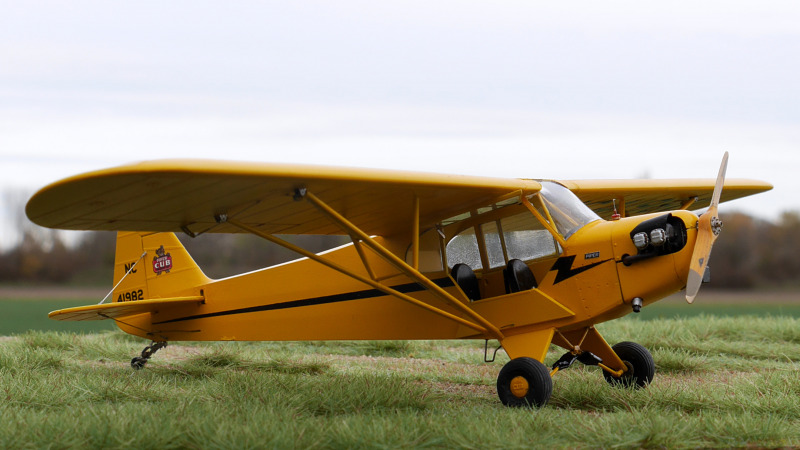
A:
{"x":526,"y":238}
{"x":520,"y":236}
{"x":430,"y":252}
{"x":464,"y":249}
{"x":494,"y":246}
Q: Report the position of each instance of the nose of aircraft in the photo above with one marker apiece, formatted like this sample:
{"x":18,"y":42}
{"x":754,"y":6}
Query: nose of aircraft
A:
{"x":663,"y":253}
{"x":653,"y":254}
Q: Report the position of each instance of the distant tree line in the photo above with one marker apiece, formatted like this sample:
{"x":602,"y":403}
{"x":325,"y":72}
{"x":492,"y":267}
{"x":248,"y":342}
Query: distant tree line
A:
{"x":91,"y":260}
{"x":750,"y":253}
{"x":755,"y":253}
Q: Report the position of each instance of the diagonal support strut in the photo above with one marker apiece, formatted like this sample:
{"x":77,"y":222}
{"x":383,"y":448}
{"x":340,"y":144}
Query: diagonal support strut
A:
{"x":401,"y":265}
{"x":365,"y":280}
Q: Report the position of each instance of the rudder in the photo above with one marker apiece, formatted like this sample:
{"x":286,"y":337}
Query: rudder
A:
{"x":159,"y":267}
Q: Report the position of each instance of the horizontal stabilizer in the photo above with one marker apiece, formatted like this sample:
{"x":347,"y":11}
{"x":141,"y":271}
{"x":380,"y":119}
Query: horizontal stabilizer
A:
{"x":122,"y":309}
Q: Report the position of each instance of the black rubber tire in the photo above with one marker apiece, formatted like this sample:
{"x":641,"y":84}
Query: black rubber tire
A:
{"x":641,"y":367}
{"x":540,"y":385}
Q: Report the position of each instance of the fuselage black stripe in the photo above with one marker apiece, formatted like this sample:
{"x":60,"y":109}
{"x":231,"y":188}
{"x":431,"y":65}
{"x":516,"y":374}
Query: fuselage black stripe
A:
{"x":336,"y":298}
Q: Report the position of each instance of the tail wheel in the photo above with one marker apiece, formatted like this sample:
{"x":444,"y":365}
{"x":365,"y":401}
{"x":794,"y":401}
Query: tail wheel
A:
{"x":524,"y":382}
{"x":641,"y":367}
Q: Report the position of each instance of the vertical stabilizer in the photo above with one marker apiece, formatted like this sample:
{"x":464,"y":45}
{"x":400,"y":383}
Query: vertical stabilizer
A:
{"x":157,"y":266}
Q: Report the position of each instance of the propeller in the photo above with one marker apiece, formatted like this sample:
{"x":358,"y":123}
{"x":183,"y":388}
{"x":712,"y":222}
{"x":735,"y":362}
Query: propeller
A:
{"x":708,"y":228}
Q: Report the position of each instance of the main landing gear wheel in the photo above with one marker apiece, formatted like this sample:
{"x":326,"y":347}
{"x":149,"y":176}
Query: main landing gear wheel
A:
{"x":524,"y":382}
{"x":641,"y":367}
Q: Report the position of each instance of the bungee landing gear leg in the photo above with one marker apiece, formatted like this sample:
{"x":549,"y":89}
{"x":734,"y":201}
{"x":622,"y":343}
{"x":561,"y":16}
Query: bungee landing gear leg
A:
{"x":139,"y":361}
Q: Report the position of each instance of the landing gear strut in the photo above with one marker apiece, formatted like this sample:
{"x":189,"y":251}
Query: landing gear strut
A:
{"x":639,"y":365}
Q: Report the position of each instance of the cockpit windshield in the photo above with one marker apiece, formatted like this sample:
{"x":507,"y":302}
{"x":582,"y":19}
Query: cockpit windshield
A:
{"x":568,"y":212}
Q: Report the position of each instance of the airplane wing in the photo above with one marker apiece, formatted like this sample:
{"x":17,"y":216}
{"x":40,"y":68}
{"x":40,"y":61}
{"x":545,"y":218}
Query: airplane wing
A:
{"x":648,"y":196}
{"x":181,"y":195}
{"x":123,"y":309}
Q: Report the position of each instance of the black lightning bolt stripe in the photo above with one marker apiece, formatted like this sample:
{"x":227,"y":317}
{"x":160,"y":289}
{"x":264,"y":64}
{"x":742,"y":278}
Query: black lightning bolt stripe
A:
{"x":336,"y":298}
{"x":565,"y":270}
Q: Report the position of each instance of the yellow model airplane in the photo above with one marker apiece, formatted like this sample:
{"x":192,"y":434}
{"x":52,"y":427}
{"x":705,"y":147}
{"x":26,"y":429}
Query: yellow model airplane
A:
{"x":529,"y":263}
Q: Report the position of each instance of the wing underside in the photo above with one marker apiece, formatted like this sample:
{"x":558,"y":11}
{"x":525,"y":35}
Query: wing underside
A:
{"x":186,"y":195}
{"x":635,"y":197}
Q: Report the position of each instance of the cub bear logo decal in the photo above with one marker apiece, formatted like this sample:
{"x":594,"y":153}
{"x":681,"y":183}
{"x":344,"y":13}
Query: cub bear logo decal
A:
{"x":162,"y":262}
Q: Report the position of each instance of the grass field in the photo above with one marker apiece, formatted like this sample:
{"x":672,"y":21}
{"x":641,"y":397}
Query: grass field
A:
{"x":721,"y":381}
{"x":21,"y":315}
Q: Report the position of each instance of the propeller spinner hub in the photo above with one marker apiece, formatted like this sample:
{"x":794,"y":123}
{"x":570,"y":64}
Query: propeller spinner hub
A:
{"x":716,"y":225}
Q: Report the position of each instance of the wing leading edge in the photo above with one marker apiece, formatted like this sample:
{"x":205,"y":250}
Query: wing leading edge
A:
{"x":648,"y":196}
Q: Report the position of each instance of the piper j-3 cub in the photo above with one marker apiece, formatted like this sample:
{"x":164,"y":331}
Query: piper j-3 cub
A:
{"x":529,"y":263}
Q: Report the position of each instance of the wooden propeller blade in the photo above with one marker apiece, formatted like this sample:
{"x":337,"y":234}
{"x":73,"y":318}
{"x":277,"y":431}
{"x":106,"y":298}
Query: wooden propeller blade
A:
{"x":706,"y":235}
{"x":723,"y":168}
{"x":702,"y":250}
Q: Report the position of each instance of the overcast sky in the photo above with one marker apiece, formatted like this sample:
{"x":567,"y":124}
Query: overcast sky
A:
{"x":579,"y":89}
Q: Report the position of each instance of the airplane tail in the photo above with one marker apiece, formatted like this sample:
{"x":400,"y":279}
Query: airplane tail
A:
{"x":153,"y":265}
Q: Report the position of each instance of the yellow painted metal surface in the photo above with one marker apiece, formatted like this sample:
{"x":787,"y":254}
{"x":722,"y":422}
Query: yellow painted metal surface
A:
{"x":519,"y":387}
{"x":584,"y":278}
{"x":521,"y":308}
{"x":120,"y":310}
{"x":589,"y":339}
{"x":298,"y":301}
{"x":655,"y":278}
{"x":169,"y":195}
{"x":533,"y":344}
{"x":649,"y":196}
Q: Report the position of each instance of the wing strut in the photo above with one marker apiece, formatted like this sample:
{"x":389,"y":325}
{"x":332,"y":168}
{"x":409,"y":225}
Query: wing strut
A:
{"x":415,"y":235}
{"x":359,"y":237}
{"x":548,"y":224}
{"x":401,"y":265}
{"x":368,"y":281}
{"x":363,"y":256}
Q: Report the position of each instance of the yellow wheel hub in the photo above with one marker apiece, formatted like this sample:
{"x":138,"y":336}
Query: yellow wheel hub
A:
{"x":519,"y":387}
